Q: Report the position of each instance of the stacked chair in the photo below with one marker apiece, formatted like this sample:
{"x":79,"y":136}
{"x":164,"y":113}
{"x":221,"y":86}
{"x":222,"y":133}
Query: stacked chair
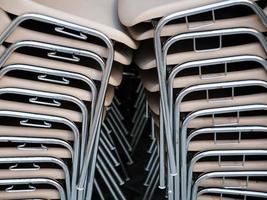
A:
{"x":203,"y":65}
{"x":59,"y":64}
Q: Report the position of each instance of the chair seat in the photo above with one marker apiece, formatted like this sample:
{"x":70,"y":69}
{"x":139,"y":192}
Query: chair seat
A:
{"x":150,"y":79}
{"x":201,"y":122}
{"x":65,"y":135}
{"x":37,"y":194}
{"x":207,"y":166}
{"x":142,"y":11}
{"x":18,"y":58}
{"x":193,"y":105}
{"x":252,"y":184}
{"x":123,"y":56}
{"x":39,"y":109}
{"x":82,"y":94}
{"x":99,"y":15}
{"x":211,"y":197}
{"x":145,"y":58}
{"x":140,"y":32}
{"x":203,"y":145}
{"x":57,"y":152}
{"x":51,"y":173}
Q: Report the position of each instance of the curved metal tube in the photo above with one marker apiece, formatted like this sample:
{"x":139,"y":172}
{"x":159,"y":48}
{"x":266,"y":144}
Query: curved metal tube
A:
{"x":59,"y":162}
{"x":55,"y":119}
{"x":35,"y":181}
{"x":219,"y":153}
{"x":233,"y":192}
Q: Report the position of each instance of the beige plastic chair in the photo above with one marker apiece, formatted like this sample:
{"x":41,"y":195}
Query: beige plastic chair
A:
{"x":82,"y":94}
{"x":251,"y":185}
{"x":144,"y":31}
{"x":72,"y":115}
{"x":203,"y":145}
{"x":211,"y":197}
{"x":99,"y":15}
{"x":52,"y":173}
{"x":145,"y":58}
{"x":19,"y":58}
{"x":122,"y":55}
{"x":65,"y":135}
{"x":208,"y":166}
{"x":150,"y":80}
{"x":193,"y":105}
{"x":37,"y":194}
{"x":58,"y":152}
{"x":201,"y":122}
{"x":144,"y":11}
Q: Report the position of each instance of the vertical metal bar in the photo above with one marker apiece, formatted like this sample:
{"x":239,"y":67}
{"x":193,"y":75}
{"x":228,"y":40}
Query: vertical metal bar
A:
{"x":130,"y":161}
{"x":101,"y":196}
{"x":111,"y":156}
{"x":120,"y":131}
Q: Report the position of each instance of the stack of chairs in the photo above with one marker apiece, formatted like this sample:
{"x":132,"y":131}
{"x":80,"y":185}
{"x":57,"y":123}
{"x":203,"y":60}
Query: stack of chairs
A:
{"x":203,"y":65}
{"x":59,"y":63}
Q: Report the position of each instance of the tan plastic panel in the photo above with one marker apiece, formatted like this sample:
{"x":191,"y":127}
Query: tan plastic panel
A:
{"x":253,"y":21}
{"x":51,"y":194}
{"x":39,"y":109}
{"x":66,"y":135}
{"x":211,"y":197}
{"x":18,"y":58}
{"x":201,"y":122}
{"x":145,"y":58}
{"x":100,"y":15}
{"x":227,"y":182}
{"x":57,"y":152}
{"x":207,"y":166}
{"x":123,"y":56}
{"x":84,"y":95}
{"x":150,"y":78}
{"x":193,"y":105}
{"x":51,"y":173}
{"x":203,"y":145}
{"x":142,"y":11}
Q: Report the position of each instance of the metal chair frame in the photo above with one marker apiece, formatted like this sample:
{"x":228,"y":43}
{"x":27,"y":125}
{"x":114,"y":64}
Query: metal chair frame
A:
{"x":217,"y":130}
{"x":221,"y":191}
{"x":205,"y":112}
{"x":224,"y":175}
{"x":34,"y":160}
{"x":63,"y":74}
{"x":33,"y":181}
{"x":160,"y":58}
{"x":95,"y":128}
{"x":48,"y":119}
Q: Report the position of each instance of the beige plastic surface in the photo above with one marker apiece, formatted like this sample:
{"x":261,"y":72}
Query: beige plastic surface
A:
{"x":203,"y":145}
{"x":210,"y":197}
{"x":193,"y":105}
{"x":219,"y":121}
{"x":36,"y":132}
{"x":227,"y":182}
{"x":145,"y":58}
{"x":57,"y":152}
{"x":100,"y":15}
{"x":150,"y":78}
{"x":85,"y":95}
{"x":51,"y":194}
{"x":123,"y":56}
{"x":51,"y":173}
{"x":207,"y":166}
{"x":142,"y":11}
{"x":18,"y":58}
{"x":201,"y":122}
{"x":253,"y":21}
